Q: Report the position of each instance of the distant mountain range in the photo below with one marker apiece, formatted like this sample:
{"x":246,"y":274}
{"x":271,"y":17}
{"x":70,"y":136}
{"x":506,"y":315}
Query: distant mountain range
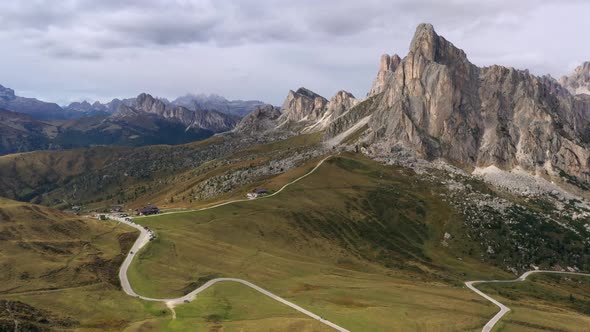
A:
{"x":29,"y":124}
{"x":51,"y":111}
{"x":139,"y":121}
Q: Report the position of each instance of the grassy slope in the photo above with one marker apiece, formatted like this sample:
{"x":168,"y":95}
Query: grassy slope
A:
{"x":356,"y":242}
{"x":67,"y":266}
{"x":544,"y":302}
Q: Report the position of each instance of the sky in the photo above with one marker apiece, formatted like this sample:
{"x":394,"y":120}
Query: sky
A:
{"x":71,"y":50}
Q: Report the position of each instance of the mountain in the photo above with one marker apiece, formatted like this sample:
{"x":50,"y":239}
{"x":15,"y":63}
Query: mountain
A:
{"x":387,"y":67}
{"x":217,"y":103}
{"x":437,"y":104}
{"x":260,"y":121}
{"x":31,"y":106}
{"x":86,"y":109}
{"x":21,"y":132}
{"x":213,"y":121}
{"x":139,"y":121}
{"x":579,"y":81}
{"x":304,"y":111}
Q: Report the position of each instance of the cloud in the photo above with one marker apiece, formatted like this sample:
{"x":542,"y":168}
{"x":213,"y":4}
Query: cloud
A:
{"x":224,"y":46}
{"x":104,"y":25}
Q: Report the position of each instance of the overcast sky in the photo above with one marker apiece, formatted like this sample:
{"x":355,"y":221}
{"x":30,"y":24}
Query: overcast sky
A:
{"x":70,"y":50}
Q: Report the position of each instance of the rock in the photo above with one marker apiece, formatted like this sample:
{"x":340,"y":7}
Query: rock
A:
{"x":259,"y":121}
{"x":439,"y":105}
{"x":579,"y":81}
{"x":145,"y":104}
{"x":302,"y":104}
{"x":387,"y":68}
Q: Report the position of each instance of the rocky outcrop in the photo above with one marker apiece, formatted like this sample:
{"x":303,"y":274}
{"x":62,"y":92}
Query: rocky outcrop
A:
{"x":341,"y":103}
{"x":387,"y":68}
{"x":579,"y":81}
{"x":260,"y":121}
{"x":305,"y":111}
{"x":438,"y":104}
{"x":302,"y":105}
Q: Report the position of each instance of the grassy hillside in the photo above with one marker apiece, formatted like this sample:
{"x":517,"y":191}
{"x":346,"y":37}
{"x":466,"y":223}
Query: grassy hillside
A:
{"x":356,"y":242}
{"x":60,"y":272}
{"x":171,"y":176}
{"x":544,"y":302}
{"x":359,"y":243}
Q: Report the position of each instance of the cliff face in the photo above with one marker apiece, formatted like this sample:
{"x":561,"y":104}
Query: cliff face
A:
{"x":302,"y":105}
{"x":438,"y":104}
{"x":387,"y":68}
{"x":305,"y":111}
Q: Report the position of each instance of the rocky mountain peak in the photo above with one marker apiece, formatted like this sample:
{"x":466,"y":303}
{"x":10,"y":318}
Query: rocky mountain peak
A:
{"x":439,"y":105}
{"x":146,"y":103}
{"x":579,"y":81}
{"x":259,"y":121}
{"x":387,"y":67}
{"x":340,"y":103}
{"x":432,"y":47}
{"x":302,"y":104}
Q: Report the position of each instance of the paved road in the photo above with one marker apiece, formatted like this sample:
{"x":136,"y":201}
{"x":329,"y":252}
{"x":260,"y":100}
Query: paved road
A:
{"x":504,"y":309}
{"x":245,"y":199}
{"x":144,"y":238}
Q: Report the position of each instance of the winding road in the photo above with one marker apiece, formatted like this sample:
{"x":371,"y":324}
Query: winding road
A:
{"x":504,"y":309}
{"x":144,"y":238}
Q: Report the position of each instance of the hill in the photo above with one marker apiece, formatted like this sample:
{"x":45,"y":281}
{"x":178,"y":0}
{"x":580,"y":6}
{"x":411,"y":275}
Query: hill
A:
{"x":46,"y":252}
{"x":355,"y":242}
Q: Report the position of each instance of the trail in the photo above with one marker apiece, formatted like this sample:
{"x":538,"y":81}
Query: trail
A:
{"x":504,"y":309}
{"x":144,"y":239}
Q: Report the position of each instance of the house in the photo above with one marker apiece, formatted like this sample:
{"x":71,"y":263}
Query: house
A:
{"x":148,"y":210}
{"x":116,"y":208}
{"x":257,"y":192}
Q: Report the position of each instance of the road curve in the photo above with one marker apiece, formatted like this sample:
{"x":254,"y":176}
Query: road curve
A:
{"x":144,"y":237}
{"x":504,"y":309}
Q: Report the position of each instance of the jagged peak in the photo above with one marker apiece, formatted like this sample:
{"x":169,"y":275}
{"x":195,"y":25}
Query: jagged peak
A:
{"x":343,"y":93}
{"x":433,"y":47}
{"x":389,"y":62}
{"x":307,"y":93}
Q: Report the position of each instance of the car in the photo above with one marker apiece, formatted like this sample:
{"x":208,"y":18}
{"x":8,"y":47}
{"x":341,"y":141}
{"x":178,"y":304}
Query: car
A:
{"x":131,"y":252}
{"x":128,"y":219}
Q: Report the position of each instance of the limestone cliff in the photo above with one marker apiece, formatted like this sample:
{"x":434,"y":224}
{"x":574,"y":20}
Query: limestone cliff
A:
{"x":438,"y":104}
{"x":387,"y":68}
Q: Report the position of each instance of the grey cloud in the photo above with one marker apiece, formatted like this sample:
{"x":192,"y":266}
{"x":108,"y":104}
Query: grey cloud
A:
{"x":324,"y":41}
